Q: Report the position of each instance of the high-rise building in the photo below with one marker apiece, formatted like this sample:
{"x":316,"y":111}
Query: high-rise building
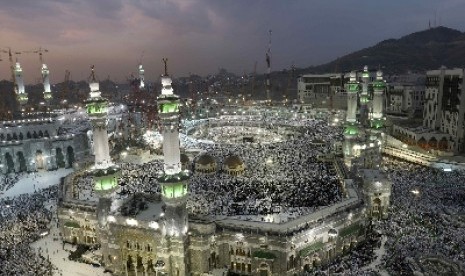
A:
{"x":444,"y":108}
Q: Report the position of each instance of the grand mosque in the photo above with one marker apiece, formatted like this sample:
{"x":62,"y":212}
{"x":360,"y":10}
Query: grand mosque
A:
{"x":38,"y":141}
{"x":177,"y":221}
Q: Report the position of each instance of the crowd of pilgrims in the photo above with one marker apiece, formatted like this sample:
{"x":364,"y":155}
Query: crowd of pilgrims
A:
{"x":425,"y":223}
{"x":424,"y":231}
{"x":279,"y":177}
{"x":22,"y":220}
{"x":284,"y":177}
{"x":287,"y":177}
{"x":8,"y":180}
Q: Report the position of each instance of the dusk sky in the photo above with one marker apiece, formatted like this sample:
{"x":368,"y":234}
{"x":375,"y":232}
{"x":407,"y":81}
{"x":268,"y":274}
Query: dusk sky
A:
{"x":200,"y":36}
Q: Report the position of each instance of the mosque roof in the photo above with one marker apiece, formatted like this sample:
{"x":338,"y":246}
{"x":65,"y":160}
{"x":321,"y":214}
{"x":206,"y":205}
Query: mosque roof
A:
{"x":233,"y":161}
{"x":205,"y":159}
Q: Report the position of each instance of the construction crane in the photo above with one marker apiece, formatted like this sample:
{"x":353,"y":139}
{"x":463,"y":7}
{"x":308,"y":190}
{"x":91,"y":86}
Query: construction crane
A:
{"x":65,"y":92}
{"x":12,"y":66}
{"x":40,"y":51}
{"x":289,"y":80}
{"x":268,"y":72}
{"x":252,"y":90}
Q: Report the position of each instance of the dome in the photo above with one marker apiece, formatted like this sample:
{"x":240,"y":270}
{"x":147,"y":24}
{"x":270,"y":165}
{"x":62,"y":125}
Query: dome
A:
{"x":332,"y":232}
{"x":205,"y":163}
{"x":233,"y":162}
{"x":206,"y":159}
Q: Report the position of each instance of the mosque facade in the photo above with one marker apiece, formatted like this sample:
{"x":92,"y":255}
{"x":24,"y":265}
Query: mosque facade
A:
{"x":160,"y":238}
{"x":37,"y":143}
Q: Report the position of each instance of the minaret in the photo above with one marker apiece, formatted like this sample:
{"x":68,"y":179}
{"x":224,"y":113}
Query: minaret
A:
{"x":351,"y":131}
{"x":19,"y":89}
{"x":364,"y":97}
{"x":105,"y":174}
{"x":46,"y":82}
{"x":97,"y":111}
{"x":173,"y":180}
{"x":377,"y":120}
{"x":141,"y":77}
{"x":352,"y":95}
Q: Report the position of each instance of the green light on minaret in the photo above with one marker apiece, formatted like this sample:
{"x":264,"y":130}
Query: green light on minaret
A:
{"x":169,"y":107}
{"x":97,"y":107}
{"x":377,"y":123}
{"x":174,"y":190}
{"x":379,"y":85}
{"x":354,"y":87}
{"x":106,"y":179}
{"x":351,"y":130}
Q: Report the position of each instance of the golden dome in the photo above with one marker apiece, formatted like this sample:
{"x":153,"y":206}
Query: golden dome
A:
{"x":233,"y":161}
{"x":206,"y":159}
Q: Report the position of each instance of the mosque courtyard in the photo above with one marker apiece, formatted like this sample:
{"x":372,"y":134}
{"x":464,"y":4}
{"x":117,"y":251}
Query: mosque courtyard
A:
{"x":423,"y":233}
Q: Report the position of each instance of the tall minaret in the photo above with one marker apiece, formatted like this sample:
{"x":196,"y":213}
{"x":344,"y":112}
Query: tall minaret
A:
{"x":46,"y":82}
{"x":19,"y":89}
{"x":173,"y":180}
{"x":351,"y":131}
{"x":104,"y":173}
{"x":364,"y":97}
{"x":141,"y":77}
{"x":352,"y":95}
{"x":377,"y":120}
{"x":97,"y":111}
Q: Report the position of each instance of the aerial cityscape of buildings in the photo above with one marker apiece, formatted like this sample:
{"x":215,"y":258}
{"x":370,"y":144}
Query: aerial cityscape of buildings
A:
{"x":296,"y":172}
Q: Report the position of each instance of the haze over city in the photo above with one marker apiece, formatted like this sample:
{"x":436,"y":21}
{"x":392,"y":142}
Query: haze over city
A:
{"x":200,"y":36}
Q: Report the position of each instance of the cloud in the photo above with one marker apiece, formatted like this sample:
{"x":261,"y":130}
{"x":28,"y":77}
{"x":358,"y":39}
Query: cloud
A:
{"x":203,"y":35}
{"x":179,"y":16}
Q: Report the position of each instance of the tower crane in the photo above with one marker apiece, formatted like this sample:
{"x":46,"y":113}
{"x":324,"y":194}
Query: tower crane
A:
{"x":290,"y":78}
{"x":252,"y":90}
{"x":12,"y":66}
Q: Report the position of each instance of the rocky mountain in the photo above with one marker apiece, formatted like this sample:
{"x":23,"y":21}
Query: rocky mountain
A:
{"x":416,"y":52}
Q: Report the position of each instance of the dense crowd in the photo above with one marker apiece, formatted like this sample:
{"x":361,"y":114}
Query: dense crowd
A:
{"x":424,"y":231}
{"x":8,"y":180}
{"x":22,"y":221}
{"x":285,"y":177}
{"x":426,"y":216}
